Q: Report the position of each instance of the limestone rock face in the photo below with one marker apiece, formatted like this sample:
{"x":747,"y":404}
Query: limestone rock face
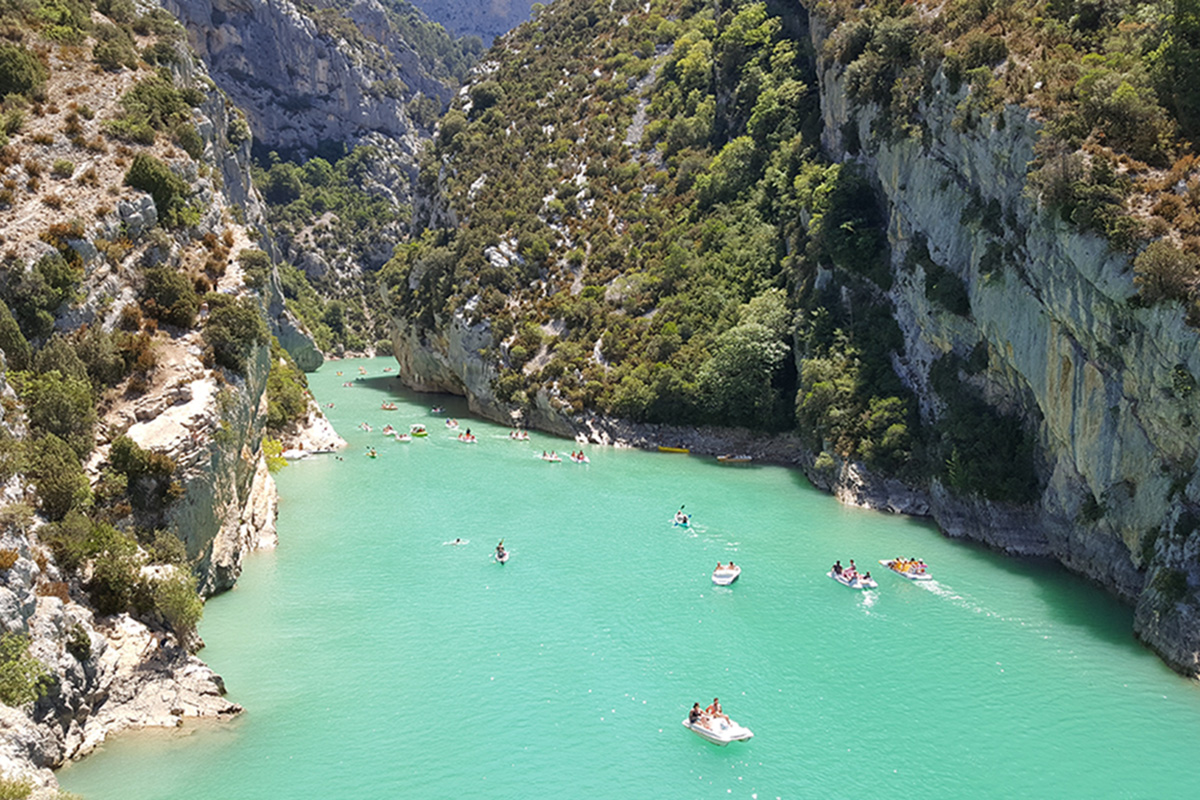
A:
{"x":486,"y":19}
{"x":299,"y":83}
{"x":1103,"y":385}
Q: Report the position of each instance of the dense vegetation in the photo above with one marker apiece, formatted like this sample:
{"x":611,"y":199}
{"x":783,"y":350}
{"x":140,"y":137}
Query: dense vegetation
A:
{"x":1113,"y":81}
{"x":653,"y":180}
{"x":332,"y":209}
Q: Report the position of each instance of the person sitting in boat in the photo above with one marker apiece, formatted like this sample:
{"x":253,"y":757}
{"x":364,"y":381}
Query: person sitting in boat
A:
{"x":730,"y":567}
{"x":715,"y":711}
{"x":837,"y":567}
{"x":867,"y":575}
{"x":719,"y":567}
{"x":681,"y":518}
{"x":696,"y":716}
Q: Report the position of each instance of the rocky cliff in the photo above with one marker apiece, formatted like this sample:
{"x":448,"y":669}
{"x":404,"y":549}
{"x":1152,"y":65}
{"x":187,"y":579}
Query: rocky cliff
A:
{"x":487,"y":19}
{"x":304,"y":78}
{"x":109,"y":672}
{"x":1104,"y":383}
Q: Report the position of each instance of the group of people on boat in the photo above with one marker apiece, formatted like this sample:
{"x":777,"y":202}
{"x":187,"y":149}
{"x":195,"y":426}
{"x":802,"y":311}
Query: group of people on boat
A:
{"x":551,"y":456}
{"x":519,"y":436}
{"x":681,"y":518}
{"x":579,"y":458}
{"x":703,"y":717}
{"x":466,"y":436}
{"x":914,"y":566}
{"x":501,"y":553}
{"x":451,"y":422}
{"x":849,"y":573}
{"x":388,"y":430}
{"x":387,"y":406}
{"x":731,"y":566}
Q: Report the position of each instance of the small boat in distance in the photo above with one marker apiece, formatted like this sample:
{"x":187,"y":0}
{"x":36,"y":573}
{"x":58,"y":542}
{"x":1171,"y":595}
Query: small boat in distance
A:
{"x":469,"y":438}
{"x":718,"y":731}
{"x":436,"y":410}
{"x":729,"y":458}
{"x":725,"y":575}
{"x":387,"y":406}
{"x":418,"y":430}
{"x":911,"y":568}
{"x":681,"y":519}
{"x":551,"y":456}
{"x":403,"y":437}
{"x":501,"y":553}
{"x":519,"y":436}
{"x":663,"y":449}
{"x":452,"y":423}
{"x":388,"y":430}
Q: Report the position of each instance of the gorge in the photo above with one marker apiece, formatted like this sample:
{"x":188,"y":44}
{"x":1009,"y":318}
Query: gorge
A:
{"x":943,"y":260}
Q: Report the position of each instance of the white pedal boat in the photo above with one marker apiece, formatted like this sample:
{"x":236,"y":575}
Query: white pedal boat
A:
{"x":719,"y":731}
{"x":725,"y":575}
{"x":910,"y":575}
{"x":858,"y":582}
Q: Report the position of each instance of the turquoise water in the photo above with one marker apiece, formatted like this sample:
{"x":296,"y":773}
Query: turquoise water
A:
{"x":375,"y":661}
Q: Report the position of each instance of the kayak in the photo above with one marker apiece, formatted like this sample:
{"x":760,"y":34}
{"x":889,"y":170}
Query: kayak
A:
{"x":662,"y":449}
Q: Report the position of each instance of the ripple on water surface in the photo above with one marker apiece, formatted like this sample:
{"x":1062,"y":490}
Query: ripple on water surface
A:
{"x":376,"y":661}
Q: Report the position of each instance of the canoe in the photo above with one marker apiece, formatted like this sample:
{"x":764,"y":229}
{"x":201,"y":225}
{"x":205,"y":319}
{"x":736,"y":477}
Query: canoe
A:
{"x":662,"y":449}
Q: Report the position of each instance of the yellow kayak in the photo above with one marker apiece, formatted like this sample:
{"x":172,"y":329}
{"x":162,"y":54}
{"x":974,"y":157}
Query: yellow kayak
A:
{"x":662,"y":449}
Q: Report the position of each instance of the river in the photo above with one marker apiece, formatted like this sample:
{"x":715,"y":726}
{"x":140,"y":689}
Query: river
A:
{"x":377,"y":661}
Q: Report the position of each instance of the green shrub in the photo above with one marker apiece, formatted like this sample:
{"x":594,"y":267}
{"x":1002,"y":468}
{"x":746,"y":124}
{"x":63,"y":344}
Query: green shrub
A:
{"x":233,"y":328}
{"x":116,"y":569}
{"x":166,"y":548}
{"x":170,"y":297}
{"x":58,"y":476}
{"x":20,"y":71}
{"x":114,"y":48}
{"x":62,"y":406}
{"x":79,"y":643}
{"x":15,"y":788}
{"x":12,"y":341}
{"x":63,"y":168}
{"x":188,"y":139}
{"x":170,"y":192}
{"x":1163,"y":273}
{"x":287,"y":398}
{"x":23,"y":679}
{"x":176,"y":600}
{"x":256,"y":267}
{"x":148,"y":473}
{"x":59,"y":354}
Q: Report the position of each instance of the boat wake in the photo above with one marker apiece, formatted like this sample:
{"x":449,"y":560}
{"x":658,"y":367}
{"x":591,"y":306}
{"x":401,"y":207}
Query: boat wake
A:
{"x":962,"y":601}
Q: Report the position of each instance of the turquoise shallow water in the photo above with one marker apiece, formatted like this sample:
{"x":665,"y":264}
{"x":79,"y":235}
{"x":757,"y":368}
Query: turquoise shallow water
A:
{"x":374,"y":661}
